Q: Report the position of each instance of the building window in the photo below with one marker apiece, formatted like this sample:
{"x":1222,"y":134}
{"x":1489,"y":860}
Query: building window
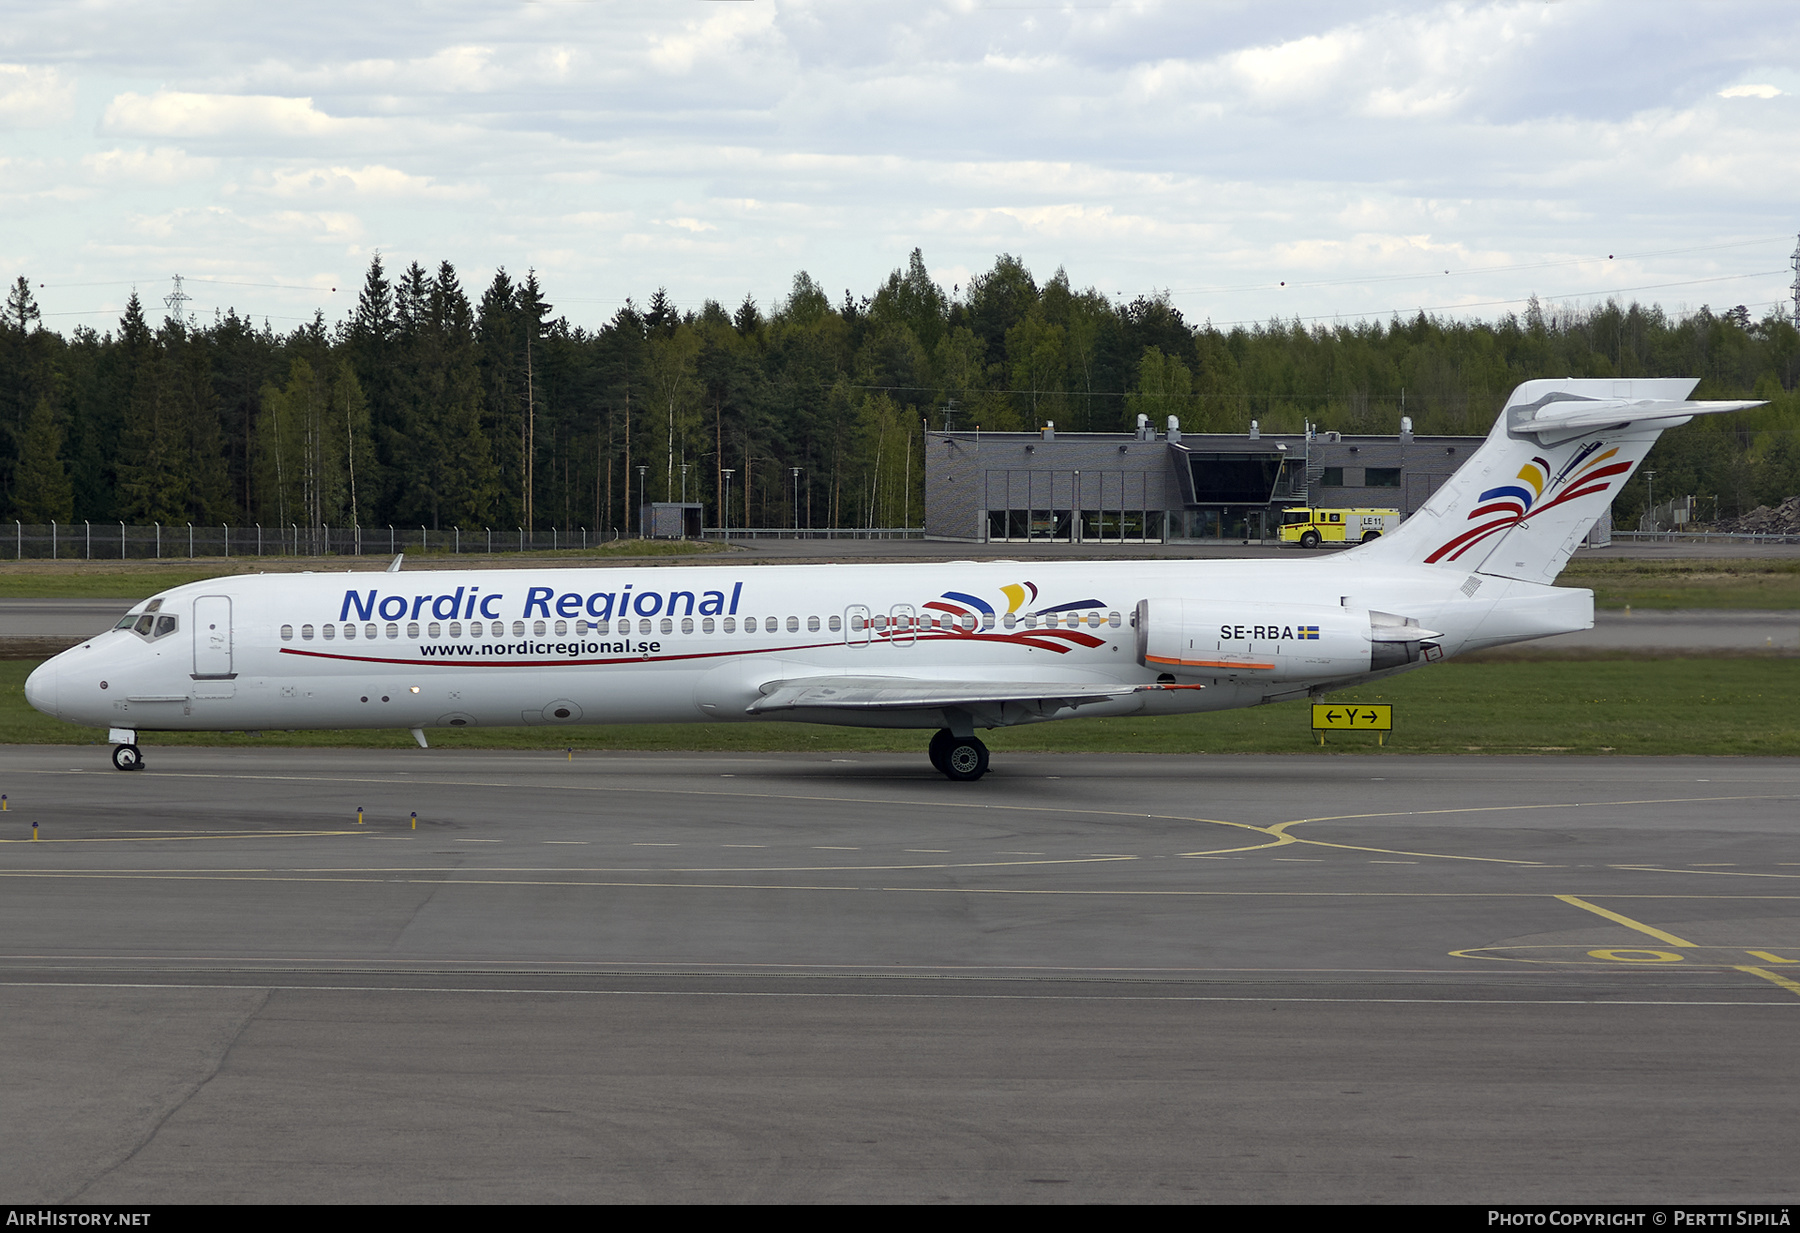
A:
{"x":1381,"y":477}
{"x":1333,"y":477}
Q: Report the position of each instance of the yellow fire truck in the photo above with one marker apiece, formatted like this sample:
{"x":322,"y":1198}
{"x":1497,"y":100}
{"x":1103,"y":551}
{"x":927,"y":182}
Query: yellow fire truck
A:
{"x":1311,"y":527}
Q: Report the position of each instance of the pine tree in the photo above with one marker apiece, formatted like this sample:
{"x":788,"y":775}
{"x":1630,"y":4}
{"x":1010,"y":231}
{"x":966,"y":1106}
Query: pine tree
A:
{"x":42,"y":491}
{"x":153,"y":485}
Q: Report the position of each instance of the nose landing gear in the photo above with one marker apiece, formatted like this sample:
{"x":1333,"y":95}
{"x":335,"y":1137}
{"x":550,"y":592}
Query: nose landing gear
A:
{"x":126,"y":755}
{"x":962,"y":758}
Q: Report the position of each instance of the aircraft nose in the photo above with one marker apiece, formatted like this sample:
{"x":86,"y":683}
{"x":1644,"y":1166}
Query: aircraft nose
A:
{"x":40,"y":687}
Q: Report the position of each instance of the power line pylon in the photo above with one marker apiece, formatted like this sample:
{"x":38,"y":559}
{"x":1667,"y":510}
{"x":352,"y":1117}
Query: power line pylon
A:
{"x":176,"y":300}
{"x":1796,"y":288}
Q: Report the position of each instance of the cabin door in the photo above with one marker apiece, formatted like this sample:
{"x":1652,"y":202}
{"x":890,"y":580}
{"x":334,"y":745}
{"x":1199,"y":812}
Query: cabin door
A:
{"x":212,"y":645}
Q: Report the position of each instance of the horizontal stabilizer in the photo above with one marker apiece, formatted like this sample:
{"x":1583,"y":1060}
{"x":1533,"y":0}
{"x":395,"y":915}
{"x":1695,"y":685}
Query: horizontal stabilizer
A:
{"x":1566,"y":419}
{"x":874,"y":693}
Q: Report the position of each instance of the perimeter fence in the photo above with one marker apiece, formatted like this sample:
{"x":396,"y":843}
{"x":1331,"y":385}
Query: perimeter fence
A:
{"x":116,"y":541}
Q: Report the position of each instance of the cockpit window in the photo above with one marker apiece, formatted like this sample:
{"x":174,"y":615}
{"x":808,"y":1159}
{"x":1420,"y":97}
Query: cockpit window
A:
{"x":150,"y":626}
{"x":154,"y":605}
{"x":126,"y":621}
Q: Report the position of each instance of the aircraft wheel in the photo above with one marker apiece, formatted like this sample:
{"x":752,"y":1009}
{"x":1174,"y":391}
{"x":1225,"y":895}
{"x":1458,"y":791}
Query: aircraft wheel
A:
{"x":1309,"y":539}
{"x":1369,"y":535}
{"x":128,"y":758}
{"x":965,"y":759}
{"x":939,"y":748}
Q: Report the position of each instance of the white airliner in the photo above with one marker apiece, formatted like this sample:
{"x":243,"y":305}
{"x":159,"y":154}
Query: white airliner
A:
{"x":947,"y":647}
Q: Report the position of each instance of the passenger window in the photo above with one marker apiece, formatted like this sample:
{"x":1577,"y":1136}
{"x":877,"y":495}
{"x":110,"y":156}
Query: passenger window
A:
{"x":287,"y":633}
{"x":349,"y":631}
{"x":812,"y":624}
{"x":1112,"y":619}
{"x":330,"y":631}
{"x":668,"y":626}
{"x":1011,"y":620}
{"x":562,"y":629}
{"x":749,"y":625}
{"x":601,"y":627}
{"x":306,"y":633}
{"x":369,"y":630}
{"x":706,"y":626}
{"x":687,"y":625}
{"x":431,"y":631}
{"x":518,"y":629}
{"x":456,"y":630}
{"x":393,"y":631}
{"x":793,"y":625}
{"x":834,"y":624}
{"x":731,"y":625}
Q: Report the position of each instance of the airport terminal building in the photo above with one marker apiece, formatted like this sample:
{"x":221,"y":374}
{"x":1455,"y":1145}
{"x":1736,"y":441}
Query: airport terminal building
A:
{"x":1167,"y":486}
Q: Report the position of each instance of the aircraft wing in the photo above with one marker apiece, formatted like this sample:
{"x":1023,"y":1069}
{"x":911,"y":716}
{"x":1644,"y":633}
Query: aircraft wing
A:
{"x":874,"y":693}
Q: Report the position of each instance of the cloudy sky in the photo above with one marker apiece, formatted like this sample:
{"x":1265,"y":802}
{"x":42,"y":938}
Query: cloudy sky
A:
{"x":1300,"y":160}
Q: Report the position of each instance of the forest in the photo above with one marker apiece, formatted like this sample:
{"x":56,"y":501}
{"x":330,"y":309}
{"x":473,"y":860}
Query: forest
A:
{"x":433,"y":407}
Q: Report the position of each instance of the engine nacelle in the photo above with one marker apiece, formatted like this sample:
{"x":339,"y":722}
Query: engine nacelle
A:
{"x":1274,"y":642}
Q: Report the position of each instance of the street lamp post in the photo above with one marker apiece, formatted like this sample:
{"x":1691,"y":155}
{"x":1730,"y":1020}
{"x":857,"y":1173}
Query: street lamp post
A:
{"x":725,"y":505}
{"x":794,"y":473}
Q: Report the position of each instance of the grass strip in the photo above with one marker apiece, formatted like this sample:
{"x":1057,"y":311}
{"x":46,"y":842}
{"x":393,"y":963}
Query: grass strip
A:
{"x":1763,"y":582}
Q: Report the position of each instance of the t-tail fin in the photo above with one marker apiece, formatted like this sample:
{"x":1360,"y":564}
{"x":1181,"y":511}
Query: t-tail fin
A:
{"x":1556,"y":458}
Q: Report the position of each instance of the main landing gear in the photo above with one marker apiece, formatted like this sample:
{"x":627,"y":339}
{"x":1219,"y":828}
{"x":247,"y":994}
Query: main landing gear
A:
{"x":958,"y":757}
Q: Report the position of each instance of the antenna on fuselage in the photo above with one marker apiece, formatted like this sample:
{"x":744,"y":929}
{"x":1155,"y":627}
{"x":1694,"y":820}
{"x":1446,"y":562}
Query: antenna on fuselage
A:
{"x":394,"y":565}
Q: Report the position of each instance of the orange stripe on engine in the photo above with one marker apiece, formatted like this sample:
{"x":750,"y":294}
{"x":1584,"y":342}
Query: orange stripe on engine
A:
{"x":1206,"y":663}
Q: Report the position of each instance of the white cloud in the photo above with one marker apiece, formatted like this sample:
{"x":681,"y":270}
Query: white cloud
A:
{"x":163,"y":165}
{"x":713,"y":39}
{"x":32,"y":96}
{"x":174,"y":113}
{"x":373,"y":180}
{"x":1754,"y":91}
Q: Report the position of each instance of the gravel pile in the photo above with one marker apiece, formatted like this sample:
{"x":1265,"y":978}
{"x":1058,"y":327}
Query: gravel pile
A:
{"x":1783,"y":519}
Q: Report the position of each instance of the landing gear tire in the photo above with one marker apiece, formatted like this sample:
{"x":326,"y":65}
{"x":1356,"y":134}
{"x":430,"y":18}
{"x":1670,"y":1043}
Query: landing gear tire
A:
{"x":1309,"y":539}
{"x":128,"y":758}
{"x":1369,"y":535}
{"x":965,"y":759}
{"x":939,"y":749}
